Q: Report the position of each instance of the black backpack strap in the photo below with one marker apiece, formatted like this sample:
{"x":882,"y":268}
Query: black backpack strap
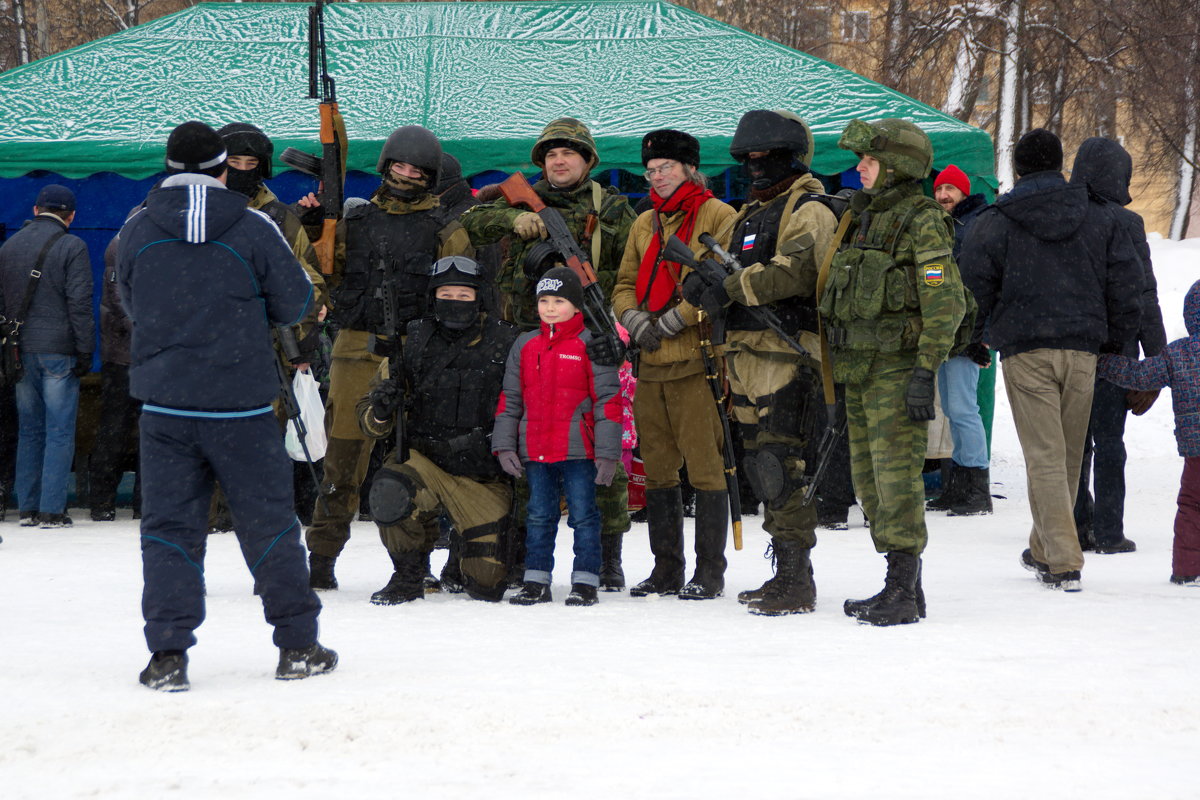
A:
{"x":35,"y":275}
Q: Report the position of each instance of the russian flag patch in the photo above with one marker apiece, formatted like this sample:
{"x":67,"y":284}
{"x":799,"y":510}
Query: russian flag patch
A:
{"x":748,"y":242}
{"x":934,"y":274}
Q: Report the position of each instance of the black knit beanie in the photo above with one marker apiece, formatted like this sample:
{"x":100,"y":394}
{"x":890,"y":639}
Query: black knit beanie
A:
{"x":1038,"y":151}
{"x":195,"y":147}
{"x":562,"y":282}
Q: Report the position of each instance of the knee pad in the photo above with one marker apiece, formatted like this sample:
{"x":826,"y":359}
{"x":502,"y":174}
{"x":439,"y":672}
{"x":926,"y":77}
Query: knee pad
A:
{"x":391,"y":496}
{"x":781,"y":471}
{"x":482,"y":556}
{"x":751,"y":473}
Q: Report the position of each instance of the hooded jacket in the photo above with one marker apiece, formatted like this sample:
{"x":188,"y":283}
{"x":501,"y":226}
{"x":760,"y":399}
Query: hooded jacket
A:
{"x":1050,"y":268}
{"x":1177,"y":366}
{"x":1105,"y":168}
{"x":204,"y":279}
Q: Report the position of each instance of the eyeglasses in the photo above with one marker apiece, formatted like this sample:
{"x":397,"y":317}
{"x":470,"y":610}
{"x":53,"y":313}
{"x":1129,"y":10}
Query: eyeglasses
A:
{"x":660,"y":169}
{"x":460,"y":263}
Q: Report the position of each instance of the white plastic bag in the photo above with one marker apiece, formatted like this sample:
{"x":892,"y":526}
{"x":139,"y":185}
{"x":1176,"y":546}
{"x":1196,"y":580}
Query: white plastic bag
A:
{"x":312,"y":414}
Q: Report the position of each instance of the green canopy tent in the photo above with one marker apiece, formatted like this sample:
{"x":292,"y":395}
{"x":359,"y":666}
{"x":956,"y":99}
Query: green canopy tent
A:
{"x":484,"y":76}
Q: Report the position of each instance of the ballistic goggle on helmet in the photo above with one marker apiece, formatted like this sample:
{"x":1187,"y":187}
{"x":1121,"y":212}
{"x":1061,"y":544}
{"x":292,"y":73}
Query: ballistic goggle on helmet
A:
{"x":455,"y":271}
{"x":900,"y":146}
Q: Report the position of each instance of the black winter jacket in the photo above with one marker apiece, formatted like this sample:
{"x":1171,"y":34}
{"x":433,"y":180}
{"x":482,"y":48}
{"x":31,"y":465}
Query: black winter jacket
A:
{"x":1105,"y":168}
{"x":965,"y":213}
{"x":204,"y":279}
{"x":1052,"y":269}
{"x":60,"y":317}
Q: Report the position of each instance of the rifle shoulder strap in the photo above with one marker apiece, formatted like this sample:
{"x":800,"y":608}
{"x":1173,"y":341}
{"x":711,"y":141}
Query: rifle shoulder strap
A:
{"x":597,"y":202}
{"x":822,"y":277}
{"x":35,"y":275}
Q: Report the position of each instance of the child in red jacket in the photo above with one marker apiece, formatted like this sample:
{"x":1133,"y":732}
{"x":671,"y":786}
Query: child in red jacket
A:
{"x":559,"y":423}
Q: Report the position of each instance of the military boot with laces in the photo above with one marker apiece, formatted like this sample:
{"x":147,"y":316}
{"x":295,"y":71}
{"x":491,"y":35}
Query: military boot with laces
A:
{"x":793,"y":590}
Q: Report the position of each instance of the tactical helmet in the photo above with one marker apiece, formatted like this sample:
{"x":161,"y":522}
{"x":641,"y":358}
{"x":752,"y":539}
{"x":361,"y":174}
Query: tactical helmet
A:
{"x":451,"y":173}
{"x":762,"y":131}
{"x":414,"y":145}
{"x":244,"y":139}
{"x":455,"y":271}
{"x":566,"y":132}
{"x":902,"y":149}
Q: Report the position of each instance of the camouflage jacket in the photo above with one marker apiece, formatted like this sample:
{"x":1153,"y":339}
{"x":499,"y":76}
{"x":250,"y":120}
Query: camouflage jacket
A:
{"x":893,"y":287}
{"x":493,"y":221}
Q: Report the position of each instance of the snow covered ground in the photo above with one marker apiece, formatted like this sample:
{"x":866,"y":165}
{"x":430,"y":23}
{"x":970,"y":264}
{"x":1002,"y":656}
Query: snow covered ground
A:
{"x":1006,"y":690}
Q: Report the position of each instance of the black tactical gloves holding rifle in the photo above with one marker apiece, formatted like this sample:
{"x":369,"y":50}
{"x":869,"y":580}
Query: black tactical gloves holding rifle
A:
{"x":918,"y":397}
{"x":386,"y":399}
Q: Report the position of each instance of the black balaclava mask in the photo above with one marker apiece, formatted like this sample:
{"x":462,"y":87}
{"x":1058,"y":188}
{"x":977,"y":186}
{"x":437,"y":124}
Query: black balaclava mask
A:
{"x":768,"y":170}
{"x":246,"y":181}
{"x":455,"y":315}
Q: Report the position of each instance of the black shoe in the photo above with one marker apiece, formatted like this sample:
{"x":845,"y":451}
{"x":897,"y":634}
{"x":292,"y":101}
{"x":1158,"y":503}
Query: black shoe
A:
{"x":1186,"y":580}
{"x":793,"y":590}
{"x":1031,"y":564}
{"x":638,"y":516}
{"x":952,"y":489}
{"x":701,"y":590}
{"x":582,"y":594}
{"x":166,"y":672}
{"x":612,"y":577}
{"x":1068,"y":581}
{"x":305,"y":661}
{"x":974,"y":493}
{"x":833,"y":519}
{"x":103,"y":514}
{"x":653,"y":586}
{"x":320,"y":572}
{"x":897,"y":603}
{"x":29,"y":519}
{"x":55,"y":521}
{"x":452,"y":578}
{"x":1122,"y":545}
{"x":531,"y":594}
{"x":407,"y":582}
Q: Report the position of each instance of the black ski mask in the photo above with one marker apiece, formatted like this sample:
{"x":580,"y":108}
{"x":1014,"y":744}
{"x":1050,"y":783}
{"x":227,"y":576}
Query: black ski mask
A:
{"x":246,"y":181}
{"x":768,"y":170}
{"x":455,"y":315}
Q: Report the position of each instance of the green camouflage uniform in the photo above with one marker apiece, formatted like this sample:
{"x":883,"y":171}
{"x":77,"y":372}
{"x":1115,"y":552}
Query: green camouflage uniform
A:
{"x":494,"y":221}
{"x":893,"y":301}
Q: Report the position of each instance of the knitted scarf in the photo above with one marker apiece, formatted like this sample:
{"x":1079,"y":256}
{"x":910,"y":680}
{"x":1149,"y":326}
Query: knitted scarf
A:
{"x":658,"y":280}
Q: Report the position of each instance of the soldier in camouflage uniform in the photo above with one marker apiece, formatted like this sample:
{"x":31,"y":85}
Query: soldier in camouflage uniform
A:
{"x":402,"y":231}
{"x":893,"y":303}
{"x":780,"y":235}
{"x":566,"y":154}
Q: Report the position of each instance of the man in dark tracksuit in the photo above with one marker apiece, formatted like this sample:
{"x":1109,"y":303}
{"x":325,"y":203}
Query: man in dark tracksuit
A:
{"x":1106,"y":169}
{"x":204,"y":279}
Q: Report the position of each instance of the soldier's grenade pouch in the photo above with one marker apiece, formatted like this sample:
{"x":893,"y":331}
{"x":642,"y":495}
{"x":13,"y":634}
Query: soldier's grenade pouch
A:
{"x":391,"y":498}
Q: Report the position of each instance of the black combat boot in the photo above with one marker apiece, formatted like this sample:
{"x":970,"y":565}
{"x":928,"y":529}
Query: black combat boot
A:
{"x":582,"y":594}
{"x":712,"y":529}
{"x":793,"y":590}
{"x":452,"y":579}
{"x":897,"y":603}
{"x":407,"y":582}
{"x":166,"y":672}
{"x":952,"y":488}
{"x":431,"y":584}
{"x":320,"y":572}
{"x":301,"y":662}
{"x":531,"y":594}
{"x":612,"y":577}
{"x":664,"y":513}
{"x":975,"y":493}
{"x":750,"y":595}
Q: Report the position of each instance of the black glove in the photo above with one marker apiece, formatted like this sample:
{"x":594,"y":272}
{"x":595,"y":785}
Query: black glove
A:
{"x":919,"y":395}
{"x":385,"y":400}
{"x":694,"y":287}
{"x":83,"y":364}
{"x":308,"y":346}
{"x":715,"y":299}
{"x":978,"y":352}
{"x":606,"y":350}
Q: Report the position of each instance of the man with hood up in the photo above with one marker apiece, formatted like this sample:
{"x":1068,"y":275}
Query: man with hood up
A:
{"x":893,"y":304}
{"x":204,"y":279}
{"x":1105,"y":168}
{"x":1058,"y":281}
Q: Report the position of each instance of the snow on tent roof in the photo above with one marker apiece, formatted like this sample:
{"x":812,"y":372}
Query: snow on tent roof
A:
{"x":485,"y":77}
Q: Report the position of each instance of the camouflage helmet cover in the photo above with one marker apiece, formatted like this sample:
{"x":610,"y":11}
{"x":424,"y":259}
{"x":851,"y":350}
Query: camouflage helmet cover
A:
{"x":901,"y":147}
{"x":565,"y":132}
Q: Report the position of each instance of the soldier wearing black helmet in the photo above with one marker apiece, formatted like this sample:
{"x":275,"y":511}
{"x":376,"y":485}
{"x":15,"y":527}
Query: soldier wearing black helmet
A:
{"x":780,"y":235}
{"x":454,"y":366}
{"x":400,"y":232}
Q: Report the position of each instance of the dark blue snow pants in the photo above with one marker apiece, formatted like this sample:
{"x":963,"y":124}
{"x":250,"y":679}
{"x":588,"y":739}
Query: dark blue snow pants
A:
{"x":1104,"y":467}
{"x":180,"y":458}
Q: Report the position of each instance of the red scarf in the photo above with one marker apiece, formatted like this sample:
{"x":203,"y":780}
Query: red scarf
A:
{"x":658,"y":281}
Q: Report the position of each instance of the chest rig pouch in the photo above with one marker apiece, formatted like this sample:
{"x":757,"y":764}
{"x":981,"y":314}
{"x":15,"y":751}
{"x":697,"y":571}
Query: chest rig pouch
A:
{"x":870,"y":300}
{"x":376,"y":240}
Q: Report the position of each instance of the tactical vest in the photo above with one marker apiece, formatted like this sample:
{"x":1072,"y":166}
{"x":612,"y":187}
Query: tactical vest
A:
{"x":454,"y":386}
{"x":375,"y":239}
{"x":755,"y":241}
{"x":870,"y":300}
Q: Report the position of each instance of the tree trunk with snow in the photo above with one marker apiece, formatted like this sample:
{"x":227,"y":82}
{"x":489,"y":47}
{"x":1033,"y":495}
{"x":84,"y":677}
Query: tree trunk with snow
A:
{"x":1009,"y":95}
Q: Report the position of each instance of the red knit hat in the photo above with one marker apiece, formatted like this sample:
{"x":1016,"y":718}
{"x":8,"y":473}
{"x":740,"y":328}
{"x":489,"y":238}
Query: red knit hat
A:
{"x":955,"y":177}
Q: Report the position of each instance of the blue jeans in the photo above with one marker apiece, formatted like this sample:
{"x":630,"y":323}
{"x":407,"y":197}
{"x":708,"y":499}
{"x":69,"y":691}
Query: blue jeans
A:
{"x":958,"y":382}
{"x":47,"y":399}
{"x":547,"y":482}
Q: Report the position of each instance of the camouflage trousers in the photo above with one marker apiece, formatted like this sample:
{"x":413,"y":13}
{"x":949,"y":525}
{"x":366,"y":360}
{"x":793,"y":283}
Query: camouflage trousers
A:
{"x":348,"y":454}
{"x":478,"y":509}
{"x":774,"y":398}
{"x":887,"y":453}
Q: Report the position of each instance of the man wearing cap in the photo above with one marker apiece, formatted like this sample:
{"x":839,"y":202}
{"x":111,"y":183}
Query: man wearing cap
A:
{"x":600,"y":219}
{"x":204,"y":279}
{"x":892,"y":303}
{"x":676,"y":418}
{"x":395,"y":237}
{"x":57,"y":337}
{"x":1058,"y":281}
{"x":454,"y":364}
{"x":968,"y":488}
